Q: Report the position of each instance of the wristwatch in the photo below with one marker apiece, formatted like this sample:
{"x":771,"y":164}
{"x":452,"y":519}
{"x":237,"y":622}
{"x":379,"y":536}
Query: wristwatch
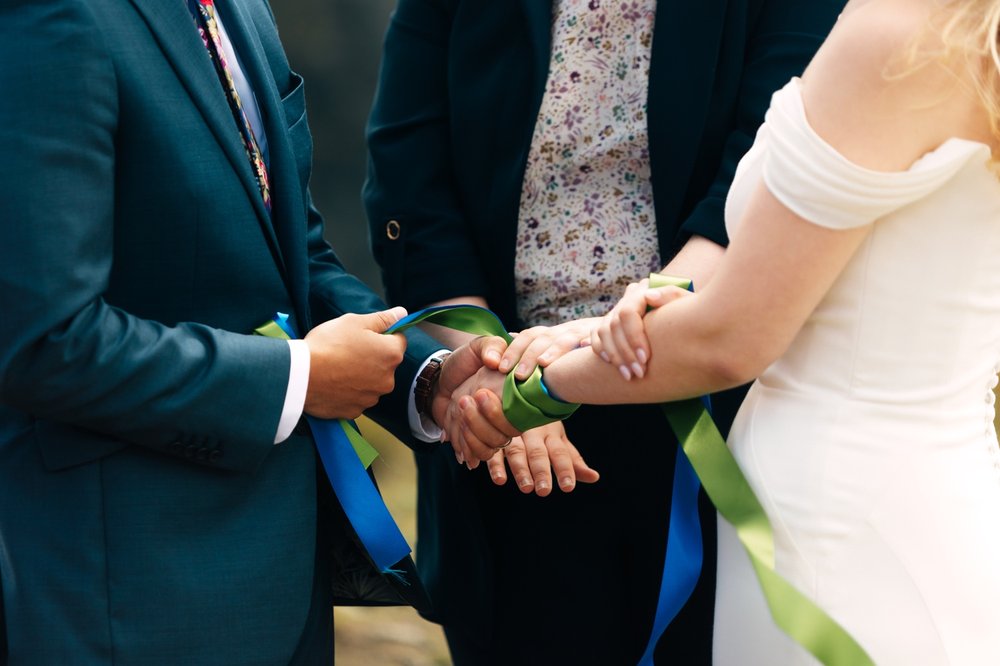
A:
{"x":426,"y":382}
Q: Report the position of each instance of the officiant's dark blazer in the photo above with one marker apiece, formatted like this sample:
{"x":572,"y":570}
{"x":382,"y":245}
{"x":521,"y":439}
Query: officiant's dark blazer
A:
{"x":460,"y":89}
{"x":145,"y":515}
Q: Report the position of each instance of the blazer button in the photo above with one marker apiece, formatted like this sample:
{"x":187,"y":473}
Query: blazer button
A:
{"x":203,"y":453}
{"x":215,"y":455}
{"x":176,"y":447}
{"x":190,"y":450}
{"x":392,"y":230}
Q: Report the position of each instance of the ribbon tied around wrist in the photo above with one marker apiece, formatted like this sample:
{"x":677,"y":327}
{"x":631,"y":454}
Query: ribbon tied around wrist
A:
{"x":526,"y":404}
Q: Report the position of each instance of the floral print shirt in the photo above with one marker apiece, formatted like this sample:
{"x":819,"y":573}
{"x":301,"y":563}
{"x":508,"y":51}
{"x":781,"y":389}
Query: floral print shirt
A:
{"x":586,"y":226}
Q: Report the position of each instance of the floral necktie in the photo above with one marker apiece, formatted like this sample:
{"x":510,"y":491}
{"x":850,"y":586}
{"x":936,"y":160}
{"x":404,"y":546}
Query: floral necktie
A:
{"x":204,"y":15}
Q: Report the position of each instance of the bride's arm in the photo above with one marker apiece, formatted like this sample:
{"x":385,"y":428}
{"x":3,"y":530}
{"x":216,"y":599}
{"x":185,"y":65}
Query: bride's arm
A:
{"x":743,"y":320}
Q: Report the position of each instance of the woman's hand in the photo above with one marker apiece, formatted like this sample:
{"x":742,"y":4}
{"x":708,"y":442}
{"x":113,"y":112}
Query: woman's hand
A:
{"x":621,"y":339}
{"x":538,"y":454}
{"x":541,"y":345}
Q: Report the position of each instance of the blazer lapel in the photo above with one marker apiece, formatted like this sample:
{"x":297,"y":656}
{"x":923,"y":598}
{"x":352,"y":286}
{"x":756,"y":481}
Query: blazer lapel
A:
{"x":538,"y":14}
{"x":174,"y":29}
{"x":686,"y":41}
{"x":287,"y":207}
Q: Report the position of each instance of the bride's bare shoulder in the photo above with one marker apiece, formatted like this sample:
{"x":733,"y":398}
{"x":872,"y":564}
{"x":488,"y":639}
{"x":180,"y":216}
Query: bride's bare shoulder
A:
{"x":879,"y":89}
{"x":881,"y":46}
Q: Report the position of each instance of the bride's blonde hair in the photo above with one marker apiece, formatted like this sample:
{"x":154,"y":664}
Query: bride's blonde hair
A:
{"x":966,"y":36}
{"x":971,"y":29}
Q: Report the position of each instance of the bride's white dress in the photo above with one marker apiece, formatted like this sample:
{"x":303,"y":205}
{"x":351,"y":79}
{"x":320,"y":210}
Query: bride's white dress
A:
{"x":870,"y":443}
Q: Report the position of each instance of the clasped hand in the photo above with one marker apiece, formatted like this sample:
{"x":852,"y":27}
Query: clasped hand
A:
{"x":352,"y":365}
{"x":540,"y":454}
{"x":466,"y":401}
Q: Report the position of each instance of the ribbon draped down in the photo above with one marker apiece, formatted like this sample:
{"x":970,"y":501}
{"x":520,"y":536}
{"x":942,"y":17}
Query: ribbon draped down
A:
{"x":702,"y":454}
{"x":685,"y":555}
{"x":709,"y":455}
{"x":345,"y":456}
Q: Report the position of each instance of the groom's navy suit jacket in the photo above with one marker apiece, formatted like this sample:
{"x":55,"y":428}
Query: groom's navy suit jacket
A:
{"x":460,"y":90}
{"x":145,"y":515}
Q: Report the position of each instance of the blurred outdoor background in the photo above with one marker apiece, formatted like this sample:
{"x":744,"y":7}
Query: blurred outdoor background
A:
{"x":335,"y":45}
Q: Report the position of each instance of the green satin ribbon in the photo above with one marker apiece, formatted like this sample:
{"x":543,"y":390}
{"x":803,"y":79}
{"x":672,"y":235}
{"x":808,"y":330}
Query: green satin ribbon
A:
{"x":526,"y":404}
{"x":732,"y":496}
{"x":366,"y":452}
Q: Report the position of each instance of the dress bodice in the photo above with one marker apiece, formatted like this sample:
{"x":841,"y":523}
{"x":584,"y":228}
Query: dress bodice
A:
{"x":915,"y":316}
{"x":870,"y":442}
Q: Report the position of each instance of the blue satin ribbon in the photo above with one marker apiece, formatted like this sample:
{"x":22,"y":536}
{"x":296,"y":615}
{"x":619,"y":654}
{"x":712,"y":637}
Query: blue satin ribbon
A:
{"x":357,"y":494}
{"x":683,"y":560}
{"x":685,"y":555}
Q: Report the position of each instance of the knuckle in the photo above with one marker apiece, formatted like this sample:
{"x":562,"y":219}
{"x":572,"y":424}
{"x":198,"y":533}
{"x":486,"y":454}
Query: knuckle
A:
{"x":537,"y":454}
{"x":567,"y":341}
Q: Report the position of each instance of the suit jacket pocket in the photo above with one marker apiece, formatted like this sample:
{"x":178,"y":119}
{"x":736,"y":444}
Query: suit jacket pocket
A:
{"x":63,"y":446}
{"x":293,"y":105}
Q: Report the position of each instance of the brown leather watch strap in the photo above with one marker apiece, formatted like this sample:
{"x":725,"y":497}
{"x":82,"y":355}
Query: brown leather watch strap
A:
{"x":425,"y":384}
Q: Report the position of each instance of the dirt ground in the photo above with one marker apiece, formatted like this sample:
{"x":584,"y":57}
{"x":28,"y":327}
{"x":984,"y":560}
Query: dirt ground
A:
{"x":390,"y":636}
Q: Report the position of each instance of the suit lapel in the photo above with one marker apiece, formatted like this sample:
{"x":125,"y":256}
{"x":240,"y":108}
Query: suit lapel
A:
{"x":287,"y":206}
{"x":174,"y":29}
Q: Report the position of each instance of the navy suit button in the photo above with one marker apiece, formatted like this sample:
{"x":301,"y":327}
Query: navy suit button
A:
{"x":176,"y":447}
{"x":215,"y":455}
{"x":203,"y":453}
{"x":392,"y":230}
{"x":190,"y":450}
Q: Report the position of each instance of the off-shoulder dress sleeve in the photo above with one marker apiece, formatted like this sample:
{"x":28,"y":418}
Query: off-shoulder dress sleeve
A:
{"x":817,"y":183}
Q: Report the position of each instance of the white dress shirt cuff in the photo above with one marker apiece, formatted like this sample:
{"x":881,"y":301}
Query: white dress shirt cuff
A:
{"x":295,"y":394}
{"x":422,"y":427}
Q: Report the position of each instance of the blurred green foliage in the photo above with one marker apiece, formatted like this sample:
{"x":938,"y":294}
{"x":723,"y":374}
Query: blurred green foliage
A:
{"x":336,"y":46}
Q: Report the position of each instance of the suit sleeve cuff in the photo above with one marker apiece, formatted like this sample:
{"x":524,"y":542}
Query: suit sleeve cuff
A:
{"x":295,"y":394}
{"x":422,"y":427}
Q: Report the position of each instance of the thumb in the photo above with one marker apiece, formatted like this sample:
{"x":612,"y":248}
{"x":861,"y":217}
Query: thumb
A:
{"x":489,"y":349}
{"x":663,"y":295}
{"x":381,"y":321}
